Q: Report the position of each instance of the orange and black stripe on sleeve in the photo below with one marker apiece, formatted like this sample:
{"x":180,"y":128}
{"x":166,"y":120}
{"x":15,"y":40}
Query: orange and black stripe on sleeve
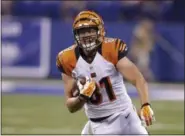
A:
{"x":122,"y":50}
{"x":114,"y":51}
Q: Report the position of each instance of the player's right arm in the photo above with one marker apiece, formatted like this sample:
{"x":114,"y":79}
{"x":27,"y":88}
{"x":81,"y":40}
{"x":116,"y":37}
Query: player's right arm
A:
{"x":73,"y":103}
{"x":65,"y":62}
{"x":62,"y":62}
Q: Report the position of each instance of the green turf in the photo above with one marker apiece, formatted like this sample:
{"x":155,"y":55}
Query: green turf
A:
{"x":31,"y":114}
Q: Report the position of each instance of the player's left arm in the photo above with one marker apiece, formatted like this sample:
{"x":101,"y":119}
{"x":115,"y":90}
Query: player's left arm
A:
{"x":131,"y":73}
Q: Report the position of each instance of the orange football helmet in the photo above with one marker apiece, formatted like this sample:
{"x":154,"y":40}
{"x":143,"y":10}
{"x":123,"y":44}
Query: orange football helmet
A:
{"x":88,"y":20}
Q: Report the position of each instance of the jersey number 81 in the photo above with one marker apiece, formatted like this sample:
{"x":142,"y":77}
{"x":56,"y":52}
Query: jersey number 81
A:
{"x":105,"y":82}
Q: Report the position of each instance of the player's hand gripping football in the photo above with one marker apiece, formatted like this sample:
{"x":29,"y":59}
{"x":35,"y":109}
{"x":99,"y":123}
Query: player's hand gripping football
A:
{"x":147,"y":115}
{"x":86,"y":87}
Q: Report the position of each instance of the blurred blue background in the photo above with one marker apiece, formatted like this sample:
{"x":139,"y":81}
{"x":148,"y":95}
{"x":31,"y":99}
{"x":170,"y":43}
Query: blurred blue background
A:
{"x":33,"y":32}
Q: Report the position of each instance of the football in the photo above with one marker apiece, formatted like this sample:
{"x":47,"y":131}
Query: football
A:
{"x":75,"y":90}
{"x":82,"y":80}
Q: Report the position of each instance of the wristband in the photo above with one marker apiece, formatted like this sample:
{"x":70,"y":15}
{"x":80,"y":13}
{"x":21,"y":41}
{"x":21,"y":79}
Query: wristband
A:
{"x":145,"y":104}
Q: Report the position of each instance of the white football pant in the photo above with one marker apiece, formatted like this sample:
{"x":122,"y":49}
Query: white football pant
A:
{"x":123,"y":123}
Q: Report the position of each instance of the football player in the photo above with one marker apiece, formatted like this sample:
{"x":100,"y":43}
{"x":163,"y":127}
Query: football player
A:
{"x":102,"y":63}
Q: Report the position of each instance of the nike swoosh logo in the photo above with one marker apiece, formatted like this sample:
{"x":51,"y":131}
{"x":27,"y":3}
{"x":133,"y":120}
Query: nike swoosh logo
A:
{"x":127,"y":116}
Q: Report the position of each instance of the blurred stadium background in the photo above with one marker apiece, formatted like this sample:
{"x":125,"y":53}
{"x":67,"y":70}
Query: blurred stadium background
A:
{"x":33,"y":32}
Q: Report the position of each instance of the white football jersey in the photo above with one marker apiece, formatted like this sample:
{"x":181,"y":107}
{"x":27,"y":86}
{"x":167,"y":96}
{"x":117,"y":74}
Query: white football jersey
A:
{"x":112,"y":96}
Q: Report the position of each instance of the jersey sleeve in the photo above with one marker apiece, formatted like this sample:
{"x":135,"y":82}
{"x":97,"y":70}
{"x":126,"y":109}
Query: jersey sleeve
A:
{"x":114,"y":50}
{"x":66,"y":61}
{"x":59,"y":65}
